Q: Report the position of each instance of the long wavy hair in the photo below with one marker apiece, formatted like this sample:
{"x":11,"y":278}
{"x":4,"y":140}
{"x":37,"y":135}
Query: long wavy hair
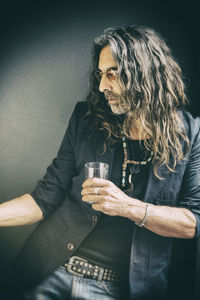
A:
{"x":153,"y":89}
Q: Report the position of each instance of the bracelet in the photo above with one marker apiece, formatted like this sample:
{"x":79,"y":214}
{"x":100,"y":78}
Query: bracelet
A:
{"x":142,"y":223}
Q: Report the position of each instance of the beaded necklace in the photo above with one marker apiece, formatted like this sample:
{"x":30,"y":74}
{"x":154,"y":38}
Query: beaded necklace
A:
{"x":127,"y":161}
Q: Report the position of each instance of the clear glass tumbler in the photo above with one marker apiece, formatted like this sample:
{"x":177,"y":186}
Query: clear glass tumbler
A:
{"x":96,"y":169}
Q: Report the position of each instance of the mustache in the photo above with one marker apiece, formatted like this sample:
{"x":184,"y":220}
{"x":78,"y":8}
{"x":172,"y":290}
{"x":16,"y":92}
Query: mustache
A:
{"x":110,"y":95}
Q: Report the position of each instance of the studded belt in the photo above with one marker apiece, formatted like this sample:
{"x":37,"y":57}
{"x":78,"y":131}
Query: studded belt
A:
{"x":81,"y":267}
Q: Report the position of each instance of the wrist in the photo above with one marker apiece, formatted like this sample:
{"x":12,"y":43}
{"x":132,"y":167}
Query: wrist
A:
{"x":135,"y":210}
{"x":146,"y":214}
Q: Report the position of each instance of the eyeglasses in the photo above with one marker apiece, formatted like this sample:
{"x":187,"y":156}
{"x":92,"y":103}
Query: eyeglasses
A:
{"x":110,"y":74}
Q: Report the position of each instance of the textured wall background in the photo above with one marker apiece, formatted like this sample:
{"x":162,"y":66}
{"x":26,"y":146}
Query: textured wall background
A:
{"x":45,"y":59}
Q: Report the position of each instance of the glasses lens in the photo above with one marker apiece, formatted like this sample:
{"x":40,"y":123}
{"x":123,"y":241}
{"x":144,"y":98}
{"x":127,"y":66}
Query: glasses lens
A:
{"x":111,"y":74}
{"x":98,"y":75}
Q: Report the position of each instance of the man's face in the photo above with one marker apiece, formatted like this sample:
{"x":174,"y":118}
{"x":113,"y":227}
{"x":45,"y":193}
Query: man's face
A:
{"x":110,"y":83}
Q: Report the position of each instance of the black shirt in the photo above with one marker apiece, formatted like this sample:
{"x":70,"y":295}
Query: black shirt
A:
{"x":109,"y":243}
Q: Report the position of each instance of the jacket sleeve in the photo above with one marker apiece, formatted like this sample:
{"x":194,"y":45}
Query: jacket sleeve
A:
{"x":50,"y":192}
{"x":191,"y":181}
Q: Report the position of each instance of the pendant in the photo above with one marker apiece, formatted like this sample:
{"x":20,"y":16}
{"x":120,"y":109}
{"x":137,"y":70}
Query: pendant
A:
{"x":135,"y":169}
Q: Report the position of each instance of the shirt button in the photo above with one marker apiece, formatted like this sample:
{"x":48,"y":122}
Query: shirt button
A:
{"x":94,"y":218}
{"x":70,"y":246}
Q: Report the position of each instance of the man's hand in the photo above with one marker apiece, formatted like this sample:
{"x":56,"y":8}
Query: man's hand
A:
{"x":106,"y":197}
{"x":163,"y":220}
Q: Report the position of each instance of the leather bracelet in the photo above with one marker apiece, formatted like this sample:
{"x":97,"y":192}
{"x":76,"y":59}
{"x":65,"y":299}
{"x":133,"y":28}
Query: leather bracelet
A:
{"x":142,"y":223}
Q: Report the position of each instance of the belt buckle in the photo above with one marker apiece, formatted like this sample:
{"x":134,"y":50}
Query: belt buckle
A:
{"x":70,"y":264}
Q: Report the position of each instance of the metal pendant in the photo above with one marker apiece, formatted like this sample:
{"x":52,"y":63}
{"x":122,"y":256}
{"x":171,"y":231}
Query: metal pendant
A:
{"x":135,"y":169}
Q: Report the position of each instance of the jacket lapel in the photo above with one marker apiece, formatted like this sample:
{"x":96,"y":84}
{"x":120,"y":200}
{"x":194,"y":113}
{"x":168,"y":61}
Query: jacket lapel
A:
{"x":106,"y":157}
{"x":154,"y":185}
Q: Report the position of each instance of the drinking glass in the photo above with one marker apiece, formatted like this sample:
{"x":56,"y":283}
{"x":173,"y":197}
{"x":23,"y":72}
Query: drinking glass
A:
{"x":96,"y":169}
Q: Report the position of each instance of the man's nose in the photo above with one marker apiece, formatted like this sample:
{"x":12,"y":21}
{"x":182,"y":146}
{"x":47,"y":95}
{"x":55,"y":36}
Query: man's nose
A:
{"x":105,"y":84}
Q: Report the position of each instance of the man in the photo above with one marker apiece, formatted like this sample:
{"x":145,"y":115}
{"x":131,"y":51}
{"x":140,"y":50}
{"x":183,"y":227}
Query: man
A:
{"x":124,"y":242}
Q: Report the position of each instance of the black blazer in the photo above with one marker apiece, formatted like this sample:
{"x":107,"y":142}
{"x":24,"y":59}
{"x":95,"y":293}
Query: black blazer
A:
{"x":68,"y":220}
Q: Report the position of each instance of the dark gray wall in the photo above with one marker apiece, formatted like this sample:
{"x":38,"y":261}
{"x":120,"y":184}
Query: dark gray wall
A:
{"x":45,"y":61}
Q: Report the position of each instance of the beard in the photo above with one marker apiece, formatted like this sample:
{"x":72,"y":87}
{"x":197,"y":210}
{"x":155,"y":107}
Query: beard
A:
{"x":118,"y":109}
{"x":121,"y":106}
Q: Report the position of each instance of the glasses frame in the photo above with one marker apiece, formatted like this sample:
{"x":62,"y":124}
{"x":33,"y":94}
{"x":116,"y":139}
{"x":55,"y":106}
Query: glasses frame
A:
{"x":111,"y":74}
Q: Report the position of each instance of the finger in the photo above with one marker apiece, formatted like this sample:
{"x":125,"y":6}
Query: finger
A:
{"x":91,"y":190}
{"x":99,"y":206}
{"x":96,"y":207}
{"x":91,"y":198}
{"x":95,"y":182}
{"x":97,"y":190}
